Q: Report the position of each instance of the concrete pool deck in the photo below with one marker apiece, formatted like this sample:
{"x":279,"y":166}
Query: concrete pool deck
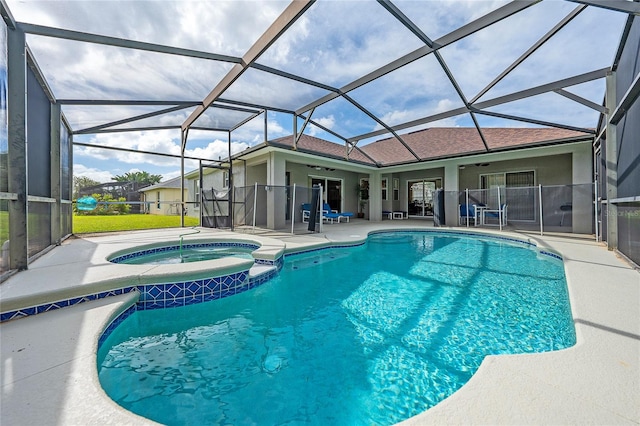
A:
{"x":49,"y":373}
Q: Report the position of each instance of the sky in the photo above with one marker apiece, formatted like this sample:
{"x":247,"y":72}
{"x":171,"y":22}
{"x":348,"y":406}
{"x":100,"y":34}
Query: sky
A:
{"x":334,"y":43}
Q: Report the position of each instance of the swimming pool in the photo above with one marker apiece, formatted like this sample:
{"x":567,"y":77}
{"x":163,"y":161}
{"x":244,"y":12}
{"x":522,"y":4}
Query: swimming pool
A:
{"x":328,"y":343}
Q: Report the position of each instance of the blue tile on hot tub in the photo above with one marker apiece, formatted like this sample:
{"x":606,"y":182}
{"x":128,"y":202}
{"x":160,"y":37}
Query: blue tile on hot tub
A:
{"x":210,"y":296}
{"x":175,"y":290}
{"x":153,"y":290}
{"x":194,"y":287}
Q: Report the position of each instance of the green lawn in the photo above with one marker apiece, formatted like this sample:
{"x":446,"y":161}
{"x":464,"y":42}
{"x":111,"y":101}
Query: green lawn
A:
{"x":4,"y":226}
{"x":89,"y":224}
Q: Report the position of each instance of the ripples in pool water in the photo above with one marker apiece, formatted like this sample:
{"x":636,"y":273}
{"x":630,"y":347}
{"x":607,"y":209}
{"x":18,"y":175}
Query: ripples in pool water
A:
{"x":361,"y":336}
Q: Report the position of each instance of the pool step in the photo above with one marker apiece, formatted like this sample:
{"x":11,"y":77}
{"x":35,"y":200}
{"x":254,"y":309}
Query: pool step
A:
{"x":260,"y":269}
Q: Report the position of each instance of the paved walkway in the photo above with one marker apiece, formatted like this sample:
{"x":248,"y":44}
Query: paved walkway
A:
{"x":49,"y":374}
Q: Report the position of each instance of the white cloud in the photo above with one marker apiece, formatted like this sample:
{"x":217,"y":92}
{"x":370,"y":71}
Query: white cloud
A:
{"x":93,"y":71}
{"x":281,"y":54}
{"x":328,"y":122}
{"x":409,"y":115}
{"x":252,"y":133}
{"x":171,"y":175}
{"x":227,"y":27}
{"x":153,"y":141}
{"x":217,"y":150}
{"x":101,"y":176}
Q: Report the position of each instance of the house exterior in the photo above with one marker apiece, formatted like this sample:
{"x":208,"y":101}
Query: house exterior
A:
{"x":163,"y":198}
{"x":402,"y":175}
{"x":213,"y":179}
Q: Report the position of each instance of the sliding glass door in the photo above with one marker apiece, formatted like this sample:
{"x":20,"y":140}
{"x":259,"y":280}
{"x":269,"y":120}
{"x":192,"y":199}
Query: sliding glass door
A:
{"x":331,"y":191}
{"x":420,"y":196}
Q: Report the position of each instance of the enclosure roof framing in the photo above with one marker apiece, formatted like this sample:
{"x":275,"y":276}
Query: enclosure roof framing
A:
{"x":458,"y":34}
{"x":354,"y":72}
{"x":119,"y":42}
{"x":279,"y":26}
{"x":617,"y":5}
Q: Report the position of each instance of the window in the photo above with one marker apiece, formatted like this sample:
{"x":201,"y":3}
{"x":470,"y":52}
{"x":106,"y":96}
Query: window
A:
{"x":196,"y":193}
{"x":385,"y":190}
{"x":396,"y":189}
{"x":520,"y":179}
{"x":516,"y":189}
{"x":225,"y":179}
{"x":158,"y":200}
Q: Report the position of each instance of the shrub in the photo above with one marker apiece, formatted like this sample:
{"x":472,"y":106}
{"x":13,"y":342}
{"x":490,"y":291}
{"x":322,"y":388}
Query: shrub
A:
{"x":103,"y":209}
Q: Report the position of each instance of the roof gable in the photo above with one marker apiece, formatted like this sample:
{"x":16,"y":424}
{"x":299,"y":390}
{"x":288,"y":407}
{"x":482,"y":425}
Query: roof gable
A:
{"x":169,"y":184}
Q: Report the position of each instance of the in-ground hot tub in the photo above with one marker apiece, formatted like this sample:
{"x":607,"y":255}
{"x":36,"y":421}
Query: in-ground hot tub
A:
{"x":174,"y":273}
{"x":184,"y":253}
{"x":238,"y":264}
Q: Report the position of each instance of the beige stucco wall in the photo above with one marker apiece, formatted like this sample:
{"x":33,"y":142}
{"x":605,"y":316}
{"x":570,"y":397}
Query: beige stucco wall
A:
{"x":169,"y":197}
{"x":554,"y":165}
{"x":549,"y":170}
{"x":301,"y":175}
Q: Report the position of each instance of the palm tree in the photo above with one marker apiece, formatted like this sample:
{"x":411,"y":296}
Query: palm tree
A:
{"x":143,"y":178}
{"x":80,"y":182}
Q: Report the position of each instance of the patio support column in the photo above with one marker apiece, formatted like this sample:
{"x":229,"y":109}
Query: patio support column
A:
{"x":17,"y":144}
{"x":451,"y":183}
{"x":183,"y":136}
{"x":231,"y":186}
{"x":581,"y":200}
{"x":375,"y":196}
{"x":276,"y":196}
{"x":55,"y":175}
{"x":611,"y":152}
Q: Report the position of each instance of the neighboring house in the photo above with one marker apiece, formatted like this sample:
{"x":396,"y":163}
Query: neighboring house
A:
{"x":402,"y":175}
{"x":163,"y":198}
{"x":213,"y":179}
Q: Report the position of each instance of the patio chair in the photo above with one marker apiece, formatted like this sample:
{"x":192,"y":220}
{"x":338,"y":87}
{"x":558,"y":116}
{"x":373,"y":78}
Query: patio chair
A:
{"x":500,"y":213}
{"x":468,"y":211}
{"x":566,"y":208}
{"x":306,"y":212}
{"x":330,"y":215}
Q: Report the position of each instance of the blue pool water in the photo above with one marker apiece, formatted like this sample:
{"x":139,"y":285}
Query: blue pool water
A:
{"x":357,"y":336}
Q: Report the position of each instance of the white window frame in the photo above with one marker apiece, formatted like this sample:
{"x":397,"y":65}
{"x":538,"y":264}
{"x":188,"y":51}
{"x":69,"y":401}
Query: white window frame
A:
{"x":384,"y":185}
{"x":504,"y":176}
{"x":504,"y":185}
{"x":396,"y":189}
{"x":196,"y":193}
{"x":225,"y":179}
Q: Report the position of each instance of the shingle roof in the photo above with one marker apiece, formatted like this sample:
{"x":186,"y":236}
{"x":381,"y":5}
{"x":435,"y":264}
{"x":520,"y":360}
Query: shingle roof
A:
{"x":435,"y":143}
{"x":171,"y":183}
{"x":442,"y":142}
{"x":313,"y":145}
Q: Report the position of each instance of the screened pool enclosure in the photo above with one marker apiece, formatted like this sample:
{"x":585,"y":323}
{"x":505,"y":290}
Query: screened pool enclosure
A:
{"x":328,"y":88}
